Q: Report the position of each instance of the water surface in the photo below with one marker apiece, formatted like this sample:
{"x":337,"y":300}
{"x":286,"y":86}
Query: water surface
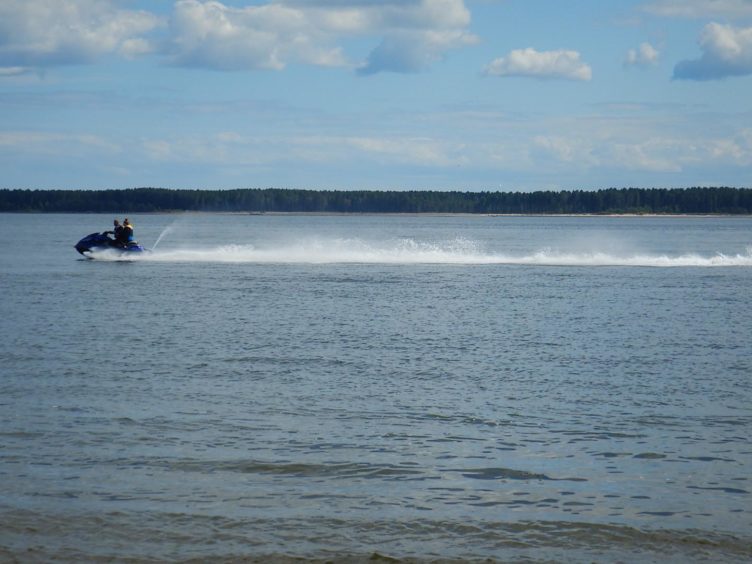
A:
{"x":338,"y":386}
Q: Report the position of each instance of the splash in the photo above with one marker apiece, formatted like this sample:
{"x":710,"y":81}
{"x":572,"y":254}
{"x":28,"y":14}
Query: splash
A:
{"x":555,"y":258}
{"x":409,"y":251}
{"x":332,"y":251}
{"x":166,"y":231}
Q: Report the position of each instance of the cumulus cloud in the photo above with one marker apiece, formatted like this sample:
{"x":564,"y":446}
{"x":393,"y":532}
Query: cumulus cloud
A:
{"x":417,"y":34}
{"x":408,"y":35}
{"x":700,"y":9}
{"x":727,"y":51}
{"x":212,"y":35}
{"x":412,"y":33}
{"x":541,"y":64}
{"x":413,"y":51}
{"x":54,"y":32}
{"x":644,"y":56}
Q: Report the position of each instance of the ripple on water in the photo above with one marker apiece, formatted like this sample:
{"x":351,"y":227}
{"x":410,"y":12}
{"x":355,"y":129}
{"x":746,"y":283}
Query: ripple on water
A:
{"x":153,"y":534}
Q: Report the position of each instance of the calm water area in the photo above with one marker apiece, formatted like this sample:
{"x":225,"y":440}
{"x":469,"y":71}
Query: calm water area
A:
{"x":455,"y":388}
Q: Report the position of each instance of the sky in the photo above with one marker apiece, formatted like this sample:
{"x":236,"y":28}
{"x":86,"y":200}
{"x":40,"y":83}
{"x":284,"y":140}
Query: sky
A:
{"x":363,"y":94}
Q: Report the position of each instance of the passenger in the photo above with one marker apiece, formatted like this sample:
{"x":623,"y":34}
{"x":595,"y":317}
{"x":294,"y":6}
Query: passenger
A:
{"x":128,"y":232}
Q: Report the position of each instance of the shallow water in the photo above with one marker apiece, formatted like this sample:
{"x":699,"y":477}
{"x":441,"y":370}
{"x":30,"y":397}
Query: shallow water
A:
{"x":418,"y":387}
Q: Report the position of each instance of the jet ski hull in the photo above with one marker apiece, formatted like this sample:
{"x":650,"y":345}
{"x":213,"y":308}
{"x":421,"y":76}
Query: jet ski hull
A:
{"x":97,"y":242}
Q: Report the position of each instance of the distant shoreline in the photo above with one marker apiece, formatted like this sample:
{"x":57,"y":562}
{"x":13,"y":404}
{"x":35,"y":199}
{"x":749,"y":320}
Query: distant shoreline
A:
{"x":611,"y":202}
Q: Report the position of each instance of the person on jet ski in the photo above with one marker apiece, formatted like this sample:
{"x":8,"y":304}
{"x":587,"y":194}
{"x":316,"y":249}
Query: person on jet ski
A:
{"x":119,"y":232}
{"x":128,"y":232}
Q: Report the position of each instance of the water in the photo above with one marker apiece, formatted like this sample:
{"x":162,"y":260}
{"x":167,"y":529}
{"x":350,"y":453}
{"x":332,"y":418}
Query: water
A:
{"x":335,"y":387}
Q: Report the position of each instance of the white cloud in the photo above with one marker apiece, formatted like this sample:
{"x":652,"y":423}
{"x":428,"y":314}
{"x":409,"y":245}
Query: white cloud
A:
{"x":413,"y":51}
{"x":541,"y":64}
{"x":55,"y":32}
{"x":56,"y":144}
{"x":644,"y":56}
{"x":13,"y":71}
{"x":672,"y":154}
{"x":653,"y":155}
{"x":269,"y":36}
{"x":415,"y":151}
{"x":361,"y":16}
{"x":416,"y":34}
{"x":700,"y":9}
{"x":574,"y":151}
{"x":727,"y":51}
{"x":408,"y":35}
{"x":635,"y":142}
{"x":629,"y":142}
{"x":221,"y":149}
{"x":736,"y":150}
{"x":136,"y":47}
{"x":583,"y":149}
{"x":212,"y":35}
{"x":233,"y":149}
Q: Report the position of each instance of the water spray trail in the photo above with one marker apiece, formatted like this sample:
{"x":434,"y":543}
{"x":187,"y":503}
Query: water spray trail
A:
{"x":165,"y":231}
{"x":409,"y":251}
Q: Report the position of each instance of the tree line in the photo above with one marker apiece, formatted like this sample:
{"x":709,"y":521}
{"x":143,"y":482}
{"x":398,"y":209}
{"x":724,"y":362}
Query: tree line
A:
{"x":720,"y":200}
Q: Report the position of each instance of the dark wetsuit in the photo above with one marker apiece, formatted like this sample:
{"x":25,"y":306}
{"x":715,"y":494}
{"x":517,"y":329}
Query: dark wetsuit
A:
{"x":121,"y":236}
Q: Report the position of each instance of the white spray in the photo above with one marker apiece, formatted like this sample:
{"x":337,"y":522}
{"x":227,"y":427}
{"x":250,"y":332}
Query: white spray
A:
{"x":458,"y":251}
{"x":165,"y":231}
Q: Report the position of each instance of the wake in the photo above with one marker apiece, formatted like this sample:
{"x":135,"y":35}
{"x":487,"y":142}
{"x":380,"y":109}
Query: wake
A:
{"x":409,"y":251}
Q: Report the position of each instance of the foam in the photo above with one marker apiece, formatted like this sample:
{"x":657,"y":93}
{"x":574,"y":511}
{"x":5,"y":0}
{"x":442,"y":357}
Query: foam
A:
{"x":408,"y":251}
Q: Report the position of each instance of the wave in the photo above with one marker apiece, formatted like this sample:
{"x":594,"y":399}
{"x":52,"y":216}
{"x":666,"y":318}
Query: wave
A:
{"x":550,"y":258}
{"x":409,"y":251}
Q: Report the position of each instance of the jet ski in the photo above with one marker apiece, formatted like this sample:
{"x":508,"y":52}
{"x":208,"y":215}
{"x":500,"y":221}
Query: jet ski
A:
{"x":98,"y":242}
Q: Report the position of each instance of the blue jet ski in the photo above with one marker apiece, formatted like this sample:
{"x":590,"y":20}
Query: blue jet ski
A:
{"x":97,"y":242}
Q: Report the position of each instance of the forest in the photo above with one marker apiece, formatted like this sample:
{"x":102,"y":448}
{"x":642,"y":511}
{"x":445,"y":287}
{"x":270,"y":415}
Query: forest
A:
{"x":698,"y":200}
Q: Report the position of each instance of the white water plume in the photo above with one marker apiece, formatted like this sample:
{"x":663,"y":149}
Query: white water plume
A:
{"x":557,"y":258}
{"x":409,"y":251}
{"x":166,"y":231}
{"x":333,"y":251}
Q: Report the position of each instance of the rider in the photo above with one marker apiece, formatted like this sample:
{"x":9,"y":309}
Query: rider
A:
{"x":119,"y":232}
{"x":128,"y":232}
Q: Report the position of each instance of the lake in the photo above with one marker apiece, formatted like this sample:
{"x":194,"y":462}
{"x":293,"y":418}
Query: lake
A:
{"x":352,"y":387}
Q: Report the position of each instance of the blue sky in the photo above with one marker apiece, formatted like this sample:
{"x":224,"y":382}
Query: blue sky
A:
{"x":366,"y":94}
